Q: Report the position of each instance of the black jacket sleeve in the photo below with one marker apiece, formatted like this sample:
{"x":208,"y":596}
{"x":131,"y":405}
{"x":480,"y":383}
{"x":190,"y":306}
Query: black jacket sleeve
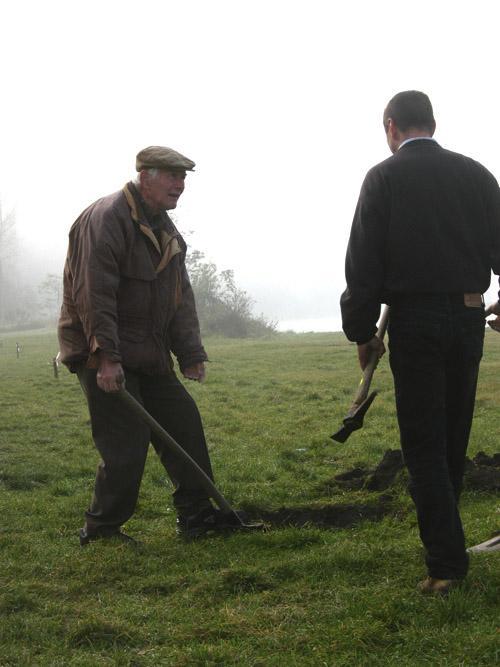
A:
{"x":365,"y":259}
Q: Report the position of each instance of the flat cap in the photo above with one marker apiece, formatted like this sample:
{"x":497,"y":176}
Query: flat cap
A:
{"x":161,"y":157}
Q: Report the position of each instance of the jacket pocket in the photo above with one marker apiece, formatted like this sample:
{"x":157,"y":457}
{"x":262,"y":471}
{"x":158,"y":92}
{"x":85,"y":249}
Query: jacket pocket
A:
{"x":132,"y":335}
{"x":134,"y":299}
{"x":133,"y":329}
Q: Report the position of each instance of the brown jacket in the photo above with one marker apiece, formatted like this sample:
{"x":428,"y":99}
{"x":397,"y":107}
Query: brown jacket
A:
{"x":126,"y":292}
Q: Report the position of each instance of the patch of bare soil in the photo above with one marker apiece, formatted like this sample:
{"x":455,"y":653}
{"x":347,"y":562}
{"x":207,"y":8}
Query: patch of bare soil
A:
{"x":482,"y":473}
{"x":327,"y":516}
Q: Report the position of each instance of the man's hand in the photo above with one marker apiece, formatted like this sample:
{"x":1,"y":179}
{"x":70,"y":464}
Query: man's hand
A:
{"x":110,"y":376}
{"x":195,"y":372}
{"x":375,"y":346}
{"x":494,"y":309}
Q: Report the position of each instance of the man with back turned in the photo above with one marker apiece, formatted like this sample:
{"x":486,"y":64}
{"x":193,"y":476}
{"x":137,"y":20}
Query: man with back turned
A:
{"x":424,"y":239}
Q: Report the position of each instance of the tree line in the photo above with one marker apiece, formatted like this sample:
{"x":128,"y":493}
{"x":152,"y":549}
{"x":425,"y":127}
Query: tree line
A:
{"x":223,"y":308}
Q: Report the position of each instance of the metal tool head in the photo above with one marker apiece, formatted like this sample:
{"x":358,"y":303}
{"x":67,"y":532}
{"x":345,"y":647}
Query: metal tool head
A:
{"x":490,"y":545}
{"x":238,"y":520}
{"x":354,"y":419}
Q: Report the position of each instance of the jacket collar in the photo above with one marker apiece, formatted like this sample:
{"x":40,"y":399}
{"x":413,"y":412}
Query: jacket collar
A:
{"x":168,"y":246}
{"x":418,"y":142}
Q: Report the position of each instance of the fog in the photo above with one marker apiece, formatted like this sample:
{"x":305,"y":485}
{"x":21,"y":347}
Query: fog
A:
{"x":278,"y":102}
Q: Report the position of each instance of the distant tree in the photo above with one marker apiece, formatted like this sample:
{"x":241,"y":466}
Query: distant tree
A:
{"x":222,"y":307}
{"x":24,"y":312}
{"x":50,"y":291}
{"x":7,"y":253}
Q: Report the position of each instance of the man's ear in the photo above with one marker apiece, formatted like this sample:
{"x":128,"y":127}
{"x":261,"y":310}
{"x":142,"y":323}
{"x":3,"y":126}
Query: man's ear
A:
{"x":392,"y":129}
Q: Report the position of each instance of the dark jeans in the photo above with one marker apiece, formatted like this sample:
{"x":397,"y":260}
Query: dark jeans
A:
{"x":436,"y":345}
{"x":122,"y":440}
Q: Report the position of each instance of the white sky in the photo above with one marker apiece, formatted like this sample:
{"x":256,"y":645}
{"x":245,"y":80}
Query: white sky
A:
{"x":279,"y":103}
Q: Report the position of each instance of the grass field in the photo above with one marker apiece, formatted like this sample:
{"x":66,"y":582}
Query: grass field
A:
{"x":288,"y":596}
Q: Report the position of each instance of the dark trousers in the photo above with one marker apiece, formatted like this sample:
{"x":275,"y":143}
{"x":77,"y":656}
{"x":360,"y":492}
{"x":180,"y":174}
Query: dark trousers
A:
{"x":436,"y":345}
{"x":122,"y":440}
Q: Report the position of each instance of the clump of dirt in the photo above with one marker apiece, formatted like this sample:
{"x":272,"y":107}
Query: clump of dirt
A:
{"x":379,"y":478}
{"x":482,"y":473}
{"x":385,"y":473}
{"x":352,"y":479}
{"x":482,"y":459}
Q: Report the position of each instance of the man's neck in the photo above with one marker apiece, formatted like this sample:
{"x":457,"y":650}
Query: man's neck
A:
{"x":411,"y":134}
{"x":152,"y":206}
{"x":414,"y":134}
{"x":419,"y":139}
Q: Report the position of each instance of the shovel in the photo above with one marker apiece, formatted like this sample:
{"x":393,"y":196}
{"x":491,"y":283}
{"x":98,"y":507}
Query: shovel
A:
{"x":490,"y":545}
{"x":231,"y":518}
{"x":354,"y":418}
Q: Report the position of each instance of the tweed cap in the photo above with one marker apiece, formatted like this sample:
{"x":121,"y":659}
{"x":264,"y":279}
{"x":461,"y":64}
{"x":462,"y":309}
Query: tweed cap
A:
{"x":161,"y":157}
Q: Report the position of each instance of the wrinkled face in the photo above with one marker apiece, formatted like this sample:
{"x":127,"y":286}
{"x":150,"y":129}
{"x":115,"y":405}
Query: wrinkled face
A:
{"x":162,"y":190}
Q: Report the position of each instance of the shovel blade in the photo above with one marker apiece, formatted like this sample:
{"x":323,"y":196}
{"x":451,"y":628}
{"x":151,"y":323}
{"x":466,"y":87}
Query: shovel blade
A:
{"x":237,"y":520}
{"x":490,"y":545}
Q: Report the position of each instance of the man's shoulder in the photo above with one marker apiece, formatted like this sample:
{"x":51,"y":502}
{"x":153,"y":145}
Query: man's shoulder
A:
{"x":469,"y":168}
{"x":472,"y":162}
{"x":108,"y":204}
{"x":105,"y":209}
{"x":377,"y":174}
{"x":436,"y":152}
{"x":420,"y":152}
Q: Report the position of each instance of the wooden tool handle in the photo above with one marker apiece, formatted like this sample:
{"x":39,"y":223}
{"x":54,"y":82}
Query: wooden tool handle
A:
{"x":364,"y":385}
{"x":203,"y":479}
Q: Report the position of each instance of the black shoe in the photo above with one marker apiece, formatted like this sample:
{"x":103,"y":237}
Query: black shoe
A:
{"x":86,"y":538}
{"x":211,"y":521}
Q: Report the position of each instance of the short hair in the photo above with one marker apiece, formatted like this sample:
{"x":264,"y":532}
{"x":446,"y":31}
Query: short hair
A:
{"x":410,"y":109}
{"x":152,"y":171}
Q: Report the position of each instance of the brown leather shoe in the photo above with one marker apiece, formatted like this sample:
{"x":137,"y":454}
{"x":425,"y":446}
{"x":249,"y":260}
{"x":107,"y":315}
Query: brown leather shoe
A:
{"x":433,"y":586}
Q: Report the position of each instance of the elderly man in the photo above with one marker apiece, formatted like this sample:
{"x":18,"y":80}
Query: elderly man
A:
{"x":425,"y":236}
{"x":127,"y":305}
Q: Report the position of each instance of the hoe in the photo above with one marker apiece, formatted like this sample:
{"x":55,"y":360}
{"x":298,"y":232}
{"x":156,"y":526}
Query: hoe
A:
{"x":232,"y":518}
{"x":354,"y":418}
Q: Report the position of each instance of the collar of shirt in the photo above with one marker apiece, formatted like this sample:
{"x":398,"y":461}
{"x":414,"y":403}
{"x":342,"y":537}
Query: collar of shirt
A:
{"x":407,"y":141}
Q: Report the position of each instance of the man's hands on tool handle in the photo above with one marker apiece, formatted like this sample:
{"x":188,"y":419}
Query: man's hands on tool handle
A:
{"x":110,"y":375}
{"x":375,"y":346}
{"x":494,"y":309}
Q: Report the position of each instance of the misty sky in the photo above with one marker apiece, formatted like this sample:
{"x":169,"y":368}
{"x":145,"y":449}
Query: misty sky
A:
{"x":278,"y":102}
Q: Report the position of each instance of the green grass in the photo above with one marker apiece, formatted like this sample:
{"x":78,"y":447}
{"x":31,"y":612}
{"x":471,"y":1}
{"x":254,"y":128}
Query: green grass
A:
{"x":287,"y":596}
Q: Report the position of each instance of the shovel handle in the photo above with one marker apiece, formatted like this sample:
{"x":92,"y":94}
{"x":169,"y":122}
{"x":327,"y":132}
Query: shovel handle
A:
{"x":364,"y":385}
{"x":204,"y":480}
